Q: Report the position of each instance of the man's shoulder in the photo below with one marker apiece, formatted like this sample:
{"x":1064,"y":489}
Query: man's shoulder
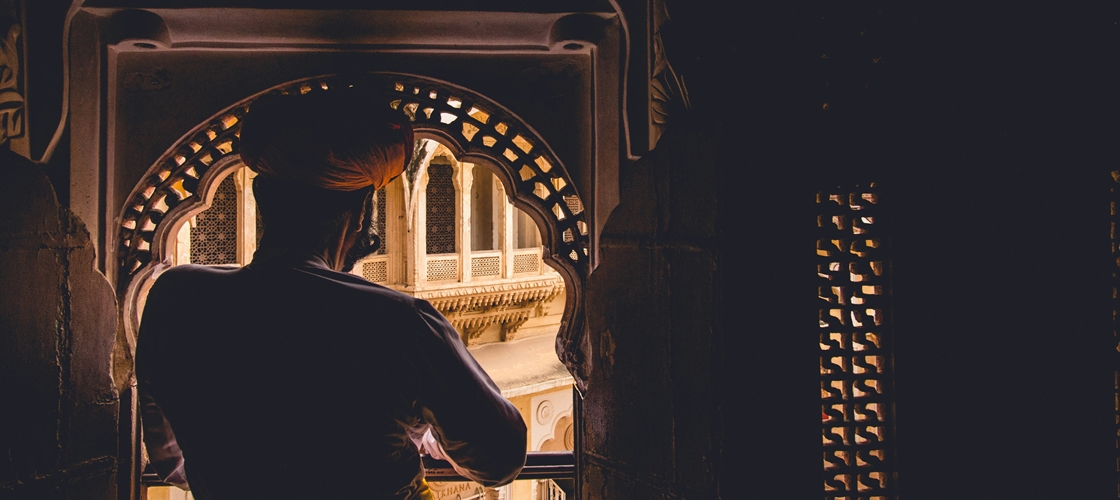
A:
{"x":365,"y":291}
{"x":183,"y":277}
{"x":189,"y":271}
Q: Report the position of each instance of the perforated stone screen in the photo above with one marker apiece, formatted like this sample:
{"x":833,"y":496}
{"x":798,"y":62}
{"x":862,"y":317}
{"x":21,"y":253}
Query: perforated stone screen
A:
{"x":443,"y":269}
{"x":475,"y":124}
{"x":526,"y":263}
{"x":856,"y":374}
{"x":379,"y":221}
{"x":214,"y":237}
{"x":376,"y":272}
{"x":441,"y":209}
{"x":486,"y":266}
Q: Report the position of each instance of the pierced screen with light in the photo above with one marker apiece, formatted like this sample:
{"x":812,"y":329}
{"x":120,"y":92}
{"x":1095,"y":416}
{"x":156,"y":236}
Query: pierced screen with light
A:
{"x":379,"y":221}
{"x":856,"y":418}
{"x":214,"y":236}
{"x":441,"y":209}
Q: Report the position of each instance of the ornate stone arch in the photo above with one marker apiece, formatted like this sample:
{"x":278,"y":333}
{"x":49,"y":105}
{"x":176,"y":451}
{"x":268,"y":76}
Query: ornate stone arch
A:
{"x":474,"y":127}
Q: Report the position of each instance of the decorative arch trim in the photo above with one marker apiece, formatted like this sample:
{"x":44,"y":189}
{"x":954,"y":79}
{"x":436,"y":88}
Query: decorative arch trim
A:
{"x":474,"y":127}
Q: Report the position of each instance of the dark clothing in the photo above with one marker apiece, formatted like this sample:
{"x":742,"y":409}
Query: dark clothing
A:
{"x":287,"y":378}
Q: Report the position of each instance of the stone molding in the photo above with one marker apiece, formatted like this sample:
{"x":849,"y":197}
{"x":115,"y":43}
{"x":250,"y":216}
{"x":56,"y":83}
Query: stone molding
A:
{"x":471,"y":309}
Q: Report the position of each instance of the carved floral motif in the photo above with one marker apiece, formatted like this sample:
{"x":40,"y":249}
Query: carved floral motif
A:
{"x":11,"y":101}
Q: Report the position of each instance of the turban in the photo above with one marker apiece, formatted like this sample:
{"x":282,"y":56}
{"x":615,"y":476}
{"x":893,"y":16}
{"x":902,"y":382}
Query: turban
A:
{"x":337,"y":140}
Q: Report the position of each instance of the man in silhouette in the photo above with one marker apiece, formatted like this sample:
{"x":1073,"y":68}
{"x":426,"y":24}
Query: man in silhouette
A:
{"x":291,"y":378}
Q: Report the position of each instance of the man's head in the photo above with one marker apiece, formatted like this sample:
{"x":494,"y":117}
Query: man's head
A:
{"x":319,"y":158}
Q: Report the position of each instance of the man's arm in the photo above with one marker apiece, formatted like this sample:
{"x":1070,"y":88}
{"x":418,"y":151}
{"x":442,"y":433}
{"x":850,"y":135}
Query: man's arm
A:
{"x":163,"y":449}
{"x":481,"y":432}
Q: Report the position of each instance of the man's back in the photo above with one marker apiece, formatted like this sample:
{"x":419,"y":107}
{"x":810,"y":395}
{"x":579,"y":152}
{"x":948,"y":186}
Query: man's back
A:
{"x":300,"y":381}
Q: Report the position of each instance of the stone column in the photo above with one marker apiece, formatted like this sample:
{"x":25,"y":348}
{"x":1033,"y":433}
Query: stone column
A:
{"x":506,"y":237}
{"x":464,"y":178}
{"x":399,"y":249}
{"x":182,"y":250}
{"x":418,"y":243}
{"x":246,"y":215}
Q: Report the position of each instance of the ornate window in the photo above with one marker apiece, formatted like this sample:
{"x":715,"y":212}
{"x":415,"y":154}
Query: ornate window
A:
{"x":856,"y":373}
{"x":484,"y":210}
{"x":379,"y":215}
{"x":440,"y":227}
{"x":214,"y":232}
{"x":227,"y":231}
{"x":474,"y":130}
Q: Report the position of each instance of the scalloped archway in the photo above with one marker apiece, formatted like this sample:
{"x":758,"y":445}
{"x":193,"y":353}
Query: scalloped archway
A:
{"x":473,"y":126}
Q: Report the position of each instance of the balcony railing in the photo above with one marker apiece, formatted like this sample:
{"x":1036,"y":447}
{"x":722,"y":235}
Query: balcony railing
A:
{"x":527,"y":260}
{"x":443,"y":267}
{"x":375,"y":269}
{"x":538,"y":465}
{"x":486,"y":265}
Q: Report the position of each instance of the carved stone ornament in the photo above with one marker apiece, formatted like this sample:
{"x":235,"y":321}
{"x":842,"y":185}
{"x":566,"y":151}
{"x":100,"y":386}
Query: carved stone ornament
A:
{"x":11,"y":101}
{"x":665,"y":87}
{"x":472,"y":309}
{"x":158,"y":79}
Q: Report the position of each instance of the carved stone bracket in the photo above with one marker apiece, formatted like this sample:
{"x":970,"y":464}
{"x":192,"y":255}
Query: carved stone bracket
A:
{"x":654,"y":90}
{"x":471,"y":309}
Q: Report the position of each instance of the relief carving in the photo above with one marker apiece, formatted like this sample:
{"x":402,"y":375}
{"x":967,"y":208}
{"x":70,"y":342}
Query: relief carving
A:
{"x":664,"y":85}
{"x":11,"y":99}
{"x":156,"y":80}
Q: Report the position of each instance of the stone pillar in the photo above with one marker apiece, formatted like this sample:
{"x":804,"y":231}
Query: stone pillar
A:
{"x":397,"y":235}
{"x":464,"y":179}
{"x":182,"y":250}
{"x":246,"y":215}
{"x":418,"y":243}
{"x":506,"y":237}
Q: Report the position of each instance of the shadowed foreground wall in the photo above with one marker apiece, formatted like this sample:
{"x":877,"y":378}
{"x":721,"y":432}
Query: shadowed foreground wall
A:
{"x":652,"y":415}
{"x":57,"y":327}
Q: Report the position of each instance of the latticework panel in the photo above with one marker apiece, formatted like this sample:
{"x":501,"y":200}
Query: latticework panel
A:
{"x":486,"y":266}
{"x":526,"y":263}
{"x":379,"y":221}
{"x":440,"y":213}
{"x":214,"y":237}
{"x":856,"y":383}
{"x":443,"y":269}
{"x":477,"y":127}
{"x":376,"y":271}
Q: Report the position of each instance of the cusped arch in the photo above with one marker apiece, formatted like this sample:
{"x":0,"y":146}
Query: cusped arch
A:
{"x":474,"y":127}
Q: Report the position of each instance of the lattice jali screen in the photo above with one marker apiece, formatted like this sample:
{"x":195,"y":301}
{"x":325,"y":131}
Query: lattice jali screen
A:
{"x":375,"y":271}
{"x":214,"y":236}
{"x":526,"y":263}
{"x":443,"y":269}
{"x":440,"y":223}
{"x":856,"y":373}
{"x":486,"y":266}
{"x":379,"y":220}
{"x":474,"y":124}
